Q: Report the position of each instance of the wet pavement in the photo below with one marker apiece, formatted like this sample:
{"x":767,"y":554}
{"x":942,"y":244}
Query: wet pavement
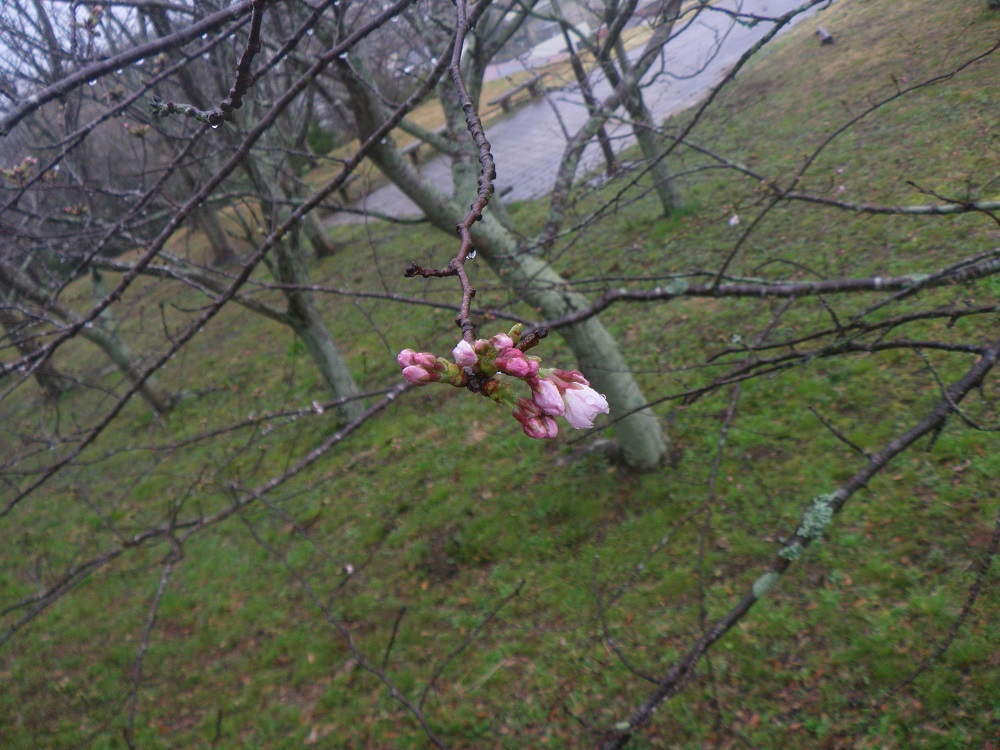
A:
{"x":528,"y":145}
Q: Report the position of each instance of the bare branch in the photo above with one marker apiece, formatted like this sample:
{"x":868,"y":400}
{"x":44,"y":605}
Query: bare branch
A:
{"x":98,"y":69}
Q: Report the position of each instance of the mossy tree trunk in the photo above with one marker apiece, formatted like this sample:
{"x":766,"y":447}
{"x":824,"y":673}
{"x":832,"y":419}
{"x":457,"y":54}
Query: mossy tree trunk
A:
{"x":45,"y":374}
{"x":103,"y":334}
{"x":289,"y":267}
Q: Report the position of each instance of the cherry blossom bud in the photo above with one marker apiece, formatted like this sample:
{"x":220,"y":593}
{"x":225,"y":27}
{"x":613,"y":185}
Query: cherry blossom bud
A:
{"x":429,"y":362}
{"x":426,"y":360}
{"x":546,"y":396}
{"x":464,"y":354}
{"x":405,"y":358}
{"x":521,"y":368}
{"x":513,"y":362}
{"x":502,"y":342}
{"x":582,"y":405}
{"x":533,"y":422}
{"x":419,"y":376}
{"x":569,"y":376}
{"x":524,"y":407}
{"x":543,"y":428}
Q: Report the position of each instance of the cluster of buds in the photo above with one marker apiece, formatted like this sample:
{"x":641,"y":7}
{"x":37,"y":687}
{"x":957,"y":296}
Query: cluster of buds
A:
{"x":22,"y":171}
{"x":477,"y":367}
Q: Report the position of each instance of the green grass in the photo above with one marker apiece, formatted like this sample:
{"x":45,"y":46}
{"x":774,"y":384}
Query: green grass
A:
{"x":440,"y":506}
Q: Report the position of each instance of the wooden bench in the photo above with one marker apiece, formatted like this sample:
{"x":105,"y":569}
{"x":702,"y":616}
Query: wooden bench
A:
{"x":412,"y":150}
{"x":532,"y":86}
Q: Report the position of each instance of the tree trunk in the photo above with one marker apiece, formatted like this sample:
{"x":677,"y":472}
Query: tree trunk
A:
{"x":625,"y":86}
{"x":308,"y":324}
{"x":222,"y":250}
{"x":588,"y":98}
{"x":642,"y":441}
{"x":644,"y":129}
{"x":103,"y":334}
{"x":315,"y":233}
{"x":289,"y":267}
{"x":46,"y":375}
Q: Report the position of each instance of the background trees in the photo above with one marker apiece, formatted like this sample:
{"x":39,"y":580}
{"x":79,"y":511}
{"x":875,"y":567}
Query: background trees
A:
{"x":241,"y":563}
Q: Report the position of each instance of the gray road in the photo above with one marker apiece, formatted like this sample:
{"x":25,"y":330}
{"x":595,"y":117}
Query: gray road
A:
{"x":528,"y":145}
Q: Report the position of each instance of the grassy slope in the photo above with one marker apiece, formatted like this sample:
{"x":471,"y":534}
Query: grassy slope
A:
{"x":443,"y":507}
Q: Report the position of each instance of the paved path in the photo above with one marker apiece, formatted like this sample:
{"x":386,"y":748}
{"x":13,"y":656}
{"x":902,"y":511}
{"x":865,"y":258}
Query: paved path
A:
{"x":528,"y":145}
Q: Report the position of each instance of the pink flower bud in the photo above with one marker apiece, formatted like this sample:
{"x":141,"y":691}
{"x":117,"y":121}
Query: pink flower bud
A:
{"x":426,"y":360}
{"x":429,"y":362}
{"x":419,"y":376}
{"x":464,"y":354}
{"x":542,"y":428}
{"x":405,"y":358}
{"x":513,"y":362}
{"x":547,"y":397}
{"x":526,"y":408}
{"x":582,"y":405}
{"x":570,"y":376}
{"x":533,"y":422}
{"x":501,"y":342}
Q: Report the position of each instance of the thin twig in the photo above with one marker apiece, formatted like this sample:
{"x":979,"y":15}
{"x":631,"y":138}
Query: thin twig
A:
{"x":239,"y":89}
{"x":487,"y":174}
{"x":154,"y":608}
{"x":469,"y":639}
{"x":392,"y":637}
{"x":839,"y":435}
